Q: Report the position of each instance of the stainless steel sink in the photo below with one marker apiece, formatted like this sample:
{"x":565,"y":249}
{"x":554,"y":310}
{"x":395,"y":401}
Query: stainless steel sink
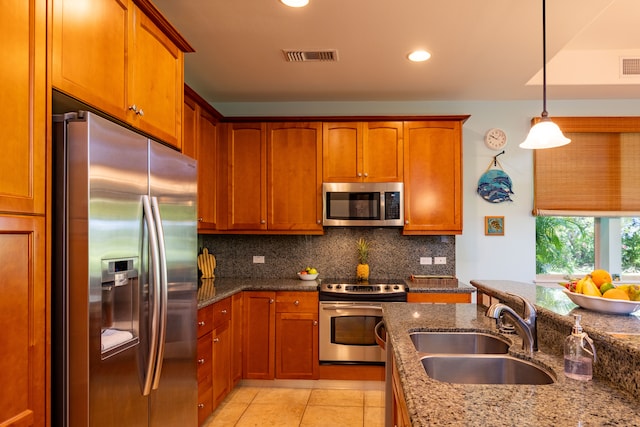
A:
{"x":459,"y":343}
{"x":484,"y":369}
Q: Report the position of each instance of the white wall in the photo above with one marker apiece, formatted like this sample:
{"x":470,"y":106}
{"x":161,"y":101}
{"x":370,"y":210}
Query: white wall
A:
{"x":508,"y":257}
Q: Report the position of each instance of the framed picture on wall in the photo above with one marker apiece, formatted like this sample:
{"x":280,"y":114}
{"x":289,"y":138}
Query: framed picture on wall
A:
{"x":494,"y":226}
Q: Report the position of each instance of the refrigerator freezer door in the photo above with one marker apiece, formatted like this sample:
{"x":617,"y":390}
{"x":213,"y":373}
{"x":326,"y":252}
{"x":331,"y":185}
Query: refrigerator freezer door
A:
{"x":173,"y":188}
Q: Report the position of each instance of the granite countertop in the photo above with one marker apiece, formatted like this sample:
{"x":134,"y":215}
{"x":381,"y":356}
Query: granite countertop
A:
{"x":213,"y":290}
{"x":434,"y":403}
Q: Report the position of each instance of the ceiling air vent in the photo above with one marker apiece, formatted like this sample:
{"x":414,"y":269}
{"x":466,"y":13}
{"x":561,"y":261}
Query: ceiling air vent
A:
{"x":329,"y":55}
{"x":630,"y":66}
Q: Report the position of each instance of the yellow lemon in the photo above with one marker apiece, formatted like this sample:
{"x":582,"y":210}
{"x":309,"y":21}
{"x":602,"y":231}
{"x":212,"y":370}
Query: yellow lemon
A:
{"x":616,"y":294}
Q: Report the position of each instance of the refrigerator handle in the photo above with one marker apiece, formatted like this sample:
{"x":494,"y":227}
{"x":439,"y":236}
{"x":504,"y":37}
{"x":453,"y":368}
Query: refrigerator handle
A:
{"x":163,"y":286}
{"x":154,"y":296}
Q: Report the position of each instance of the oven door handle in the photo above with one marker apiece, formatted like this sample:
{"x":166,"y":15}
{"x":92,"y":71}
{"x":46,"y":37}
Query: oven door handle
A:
{"x":348,"y":307}
{"x":382,"y":341}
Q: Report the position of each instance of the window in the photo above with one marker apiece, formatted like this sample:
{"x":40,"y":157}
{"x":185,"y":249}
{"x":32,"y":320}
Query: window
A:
{"x":587,"y":198}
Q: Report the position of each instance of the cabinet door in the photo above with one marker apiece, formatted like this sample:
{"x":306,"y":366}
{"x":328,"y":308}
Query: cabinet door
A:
{"x":189,"y":127}
{"x":23,"y":316}
{"x":221,"y":363}
{"x":297,"y":345}
{"x":236,"y":338}
{"x":247,"y":176}
{"x":382,"y":153}
{"x":23,"y":109}
{"x":89,"y":52}
{"x":156,"y":82}
{"x":207,"y":150}
{"x":294,"y":165}
{"x":340,"y":152}
{"x":433,"y":177}
{"x":259,"y":335}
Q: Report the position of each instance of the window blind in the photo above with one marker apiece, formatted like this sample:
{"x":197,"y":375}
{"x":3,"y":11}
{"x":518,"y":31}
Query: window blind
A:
{"x":597,"y":174}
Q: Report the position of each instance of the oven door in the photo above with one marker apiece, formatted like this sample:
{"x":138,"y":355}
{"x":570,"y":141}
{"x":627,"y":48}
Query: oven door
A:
{"x":347,"y":333}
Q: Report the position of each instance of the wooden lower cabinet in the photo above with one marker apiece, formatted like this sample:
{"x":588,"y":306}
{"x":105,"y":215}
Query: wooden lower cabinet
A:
{"x":439,"y":297}
{"x":23,"y":316}
{"x":400,"y":412}
{"x":205,"y":363}
{"x":236,"y":338}
{"x":297,"y":335}
{"x":221,"y":338}
{"x":280,"y":335}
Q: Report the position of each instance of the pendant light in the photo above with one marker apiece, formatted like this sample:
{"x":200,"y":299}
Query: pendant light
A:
{"x":545,"y":133}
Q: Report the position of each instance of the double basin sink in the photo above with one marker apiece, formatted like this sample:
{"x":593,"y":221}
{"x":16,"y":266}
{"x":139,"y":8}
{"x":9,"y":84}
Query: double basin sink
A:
{"x":474,"y":358}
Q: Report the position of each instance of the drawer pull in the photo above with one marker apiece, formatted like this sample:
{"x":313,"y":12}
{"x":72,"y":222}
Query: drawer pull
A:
{"x":296,"y":302}
{"x":201,"y":323}
{"x":224,"y":312}
{"x":200,"y":361}
{"x":216,"y":339}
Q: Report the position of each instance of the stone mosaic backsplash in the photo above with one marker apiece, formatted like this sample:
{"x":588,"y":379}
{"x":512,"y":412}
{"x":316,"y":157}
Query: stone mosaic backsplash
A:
{"x":334,"y":254}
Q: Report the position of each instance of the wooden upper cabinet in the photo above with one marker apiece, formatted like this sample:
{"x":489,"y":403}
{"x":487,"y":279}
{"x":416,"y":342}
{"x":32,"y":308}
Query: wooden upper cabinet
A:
{"x":433,"y":177}
{"x":294,"y":183}
{"x":111,"y":55}
{"x":190,"y":113}
{"x":362,"y":152}
{"x":23,"y":115}
{"x":156,"y":82}
{"x":246,"y":152}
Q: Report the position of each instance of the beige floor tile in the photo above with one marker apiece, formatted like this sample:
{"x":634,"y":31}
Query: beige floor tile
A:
{"x":320,"y":397}
{"x":291,"y":396}
{"x":373,"y":416}
{"x":343,"y":416}
{"x":242,"y":394}
{"x":226,"y":415}
{"x":271,"y":415}
{"x":374,"y":398}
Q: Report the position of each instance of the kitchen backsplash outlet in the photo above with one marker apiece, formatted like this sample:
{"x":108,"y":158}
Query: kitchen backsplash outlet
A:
{"x":334,"y":254}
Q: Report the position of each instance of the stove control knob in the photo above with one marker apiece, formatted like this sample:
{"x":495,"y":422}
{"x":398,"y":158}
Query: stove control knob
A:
{"x":387,"y":288}
{"x":329,"y":286}
{"x":396,"y":287}
{"x":338,"y":286}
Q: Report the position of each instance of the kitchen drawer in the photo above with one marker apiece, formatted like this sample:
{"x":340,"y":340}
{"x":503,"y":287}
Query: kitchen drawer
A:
{"x":221,"y":312}
{"x":205,"y":320}
{"x":292,"y":302}
{"x":205,"y":358}
{"x":205,"y":404}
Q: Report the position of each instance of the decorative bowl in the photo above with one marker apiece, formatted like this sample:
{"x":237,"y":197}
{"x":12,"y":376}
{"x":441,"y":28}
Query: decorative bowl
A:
{"x":603,"y":305}
{"x":307,"y":276}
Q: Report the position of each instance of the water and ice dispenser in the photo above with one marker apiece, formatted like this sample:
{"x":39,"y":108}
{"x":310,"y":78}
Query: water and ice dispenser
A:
{"x":120,"y":294}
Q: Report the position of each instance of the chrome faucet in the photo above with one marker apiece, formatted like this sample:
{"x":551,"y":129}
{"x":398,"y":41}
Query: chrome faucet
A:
{"x":525,"y":326}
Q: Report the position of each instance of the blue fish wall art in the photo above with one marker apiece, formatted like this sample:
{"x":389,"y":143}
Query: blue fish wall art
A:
{"x":495,"y":186}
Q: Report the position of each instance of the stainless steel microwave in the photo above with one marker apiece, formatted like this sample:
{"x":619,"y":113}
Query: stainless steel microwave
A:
{"x":372,"y":204}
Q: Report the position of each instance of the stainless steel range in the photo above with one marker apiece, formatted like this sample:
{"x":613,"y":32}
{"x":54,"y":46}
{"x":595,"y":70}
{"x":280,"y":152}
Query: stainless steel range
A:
{"x":349,"y":313}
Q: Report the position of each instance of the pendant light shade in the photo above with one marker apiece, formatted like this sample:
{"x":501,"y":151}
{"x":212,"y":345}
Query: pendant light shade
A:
{"x":545,"y":133}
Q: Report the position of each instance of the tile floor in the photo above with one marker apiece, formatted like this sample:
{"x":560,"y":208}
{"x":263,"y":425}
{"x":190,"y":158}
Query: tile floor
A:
{"x":302,"y":403}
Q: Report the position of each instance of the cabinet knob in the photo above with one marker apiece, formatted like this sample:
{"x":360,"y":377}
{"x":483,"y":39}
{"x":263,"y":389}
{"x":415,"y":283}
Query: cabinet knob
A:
{"x":200,"y":219}
{"x":271,"y":301}
{"x":359,"y":174}
{"x":366,"y":174}
{"x":200,"y":405}
{"x":140,"y":112}
{"x":200,"y":361}
{"x":315,"y":323}
{"x":406,"y":221}
{"x":262,"y":221}
{"x":201,"y":323}
{"x":216,"y":339}
{"x":319,"y":221}
{"x":223,"y":311}
{"x":296,"y":302}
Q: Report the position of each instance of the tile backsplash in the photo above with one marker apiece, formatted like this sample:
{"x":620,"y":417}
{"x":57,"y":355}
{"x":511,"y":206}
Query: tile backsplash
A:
{"x":334,"y":254}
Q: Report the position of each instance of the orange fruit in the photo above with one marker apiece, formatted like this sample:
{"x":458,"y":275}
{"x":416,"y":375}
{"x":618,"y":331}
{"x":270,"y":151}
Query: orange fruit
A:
{"x":616,"y":294}
{"x":600,"y":276}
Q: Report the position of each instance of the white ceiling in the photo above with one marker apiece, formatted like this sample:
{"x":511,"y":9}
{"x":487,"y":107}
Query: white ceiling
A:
{"x":481,"y":49}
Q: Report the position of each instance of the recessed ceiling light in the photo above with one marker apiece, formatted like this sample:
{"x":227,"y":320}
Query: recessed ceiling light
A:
{"x":419,"y":56}
{"x":295,"y":3}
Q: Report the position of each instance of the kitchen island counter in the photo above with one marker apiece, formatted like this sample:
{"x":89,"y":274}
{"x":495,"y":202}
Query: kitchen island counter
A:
{"x":433,"y":403}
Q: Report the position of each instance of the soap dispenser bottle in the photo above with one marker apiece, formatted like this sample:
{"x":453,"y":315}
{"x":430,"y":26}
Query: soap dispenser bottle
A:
{"x":578,"y":359}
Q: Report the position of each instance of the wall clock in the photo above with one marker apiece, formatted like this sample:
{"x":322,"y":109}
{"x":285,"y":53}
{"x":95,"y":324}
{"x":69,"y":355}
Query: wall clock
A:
{"x":495,"y":139}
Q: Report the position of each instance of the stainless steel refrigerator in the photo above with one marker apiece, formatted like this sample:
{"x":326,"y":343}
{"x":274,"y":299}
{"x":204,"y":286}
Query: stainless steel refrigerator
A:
{"x":124,"y":278}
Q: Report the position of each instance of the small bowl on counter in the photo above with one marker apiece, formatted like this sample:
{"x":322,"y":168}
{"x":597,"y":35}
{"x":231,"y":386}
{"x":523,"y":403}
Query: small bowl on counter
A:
{"x":308,"y":276}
